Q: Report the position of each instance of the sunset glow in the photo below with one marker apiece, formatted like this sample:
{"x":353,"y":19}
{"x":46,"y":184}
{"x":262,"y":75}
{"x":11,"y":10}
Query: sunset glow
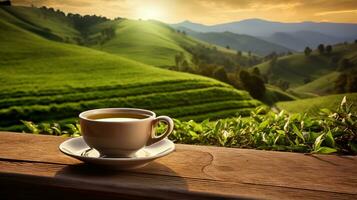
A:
{"x":211,"y":11}
{"x":150,"y":12}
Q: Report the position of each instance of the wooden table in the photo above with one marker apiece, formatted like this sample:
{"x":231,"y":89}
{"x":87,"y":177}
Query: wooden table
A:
{"x":32,"y":166}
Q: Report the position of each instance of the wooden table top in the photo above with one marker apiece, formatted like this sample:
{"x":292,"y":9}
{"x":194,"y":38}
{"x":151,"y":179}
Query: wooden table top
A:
{"x":32,"y":166}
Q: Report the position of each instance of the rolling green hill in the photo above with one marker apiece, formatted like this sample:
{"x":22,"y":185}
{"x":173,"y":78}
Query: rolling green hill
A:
{"x":49,"y":24}
{"x":150,"y":42}
{"x":312,"y":74}
{"x":43,"y":80}
{"x":312,"y":105}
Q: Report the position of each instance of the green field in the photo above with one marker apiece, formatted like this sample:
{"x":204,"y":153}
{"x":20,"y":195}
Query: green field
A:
{"x":150,"y":42}
{"x":319,"y":86}
{"x":274,"y":94}
{"x":320,"y":69}
{"x":44,"y":80}
{"x":312,"y":105}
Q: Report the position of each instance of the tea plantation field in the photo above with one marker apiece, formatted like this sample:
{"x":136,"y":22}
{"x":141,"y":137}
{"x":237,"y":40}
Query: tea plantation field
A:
{"x":43,"y":80}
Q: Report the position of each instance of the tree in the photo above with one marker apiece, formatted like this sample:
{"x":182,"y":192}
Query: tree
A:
{"x":179,"y":58}
{"x":253,"y":84}
{"x":249,"y":53}
{"x":220,"y":74}
{"x":321,"y":49}
{"x":355,"y":41}
{"x":346,"y":82}
{"x":344,"y":64}
{"x":307,"y":51}
{"x":107,"y":33}
{"x":271,"y":56}
{"x":228,"y":47}
{"x":340,"y":83}
{"x":256,"y":71}
{"x":328,"y":49}
{"x":351,"y":85}
{"x":239,"y":53}
{"x":282,"y":84}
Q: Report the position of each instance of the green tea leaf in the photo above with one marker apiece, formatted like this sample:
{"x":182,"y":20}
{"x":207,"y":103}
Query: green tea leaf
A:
{"x":329,"y":139}
{"x":325,"y":150}
{"x":298,"y":133}
{"x":264,"y":124}
{"x":318,"y":142}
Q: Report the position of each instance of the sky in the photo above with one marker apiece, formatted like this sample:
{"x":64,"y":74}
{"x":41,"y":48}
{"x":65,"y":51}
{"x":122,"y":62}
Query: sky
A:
{"x":210,"y":11}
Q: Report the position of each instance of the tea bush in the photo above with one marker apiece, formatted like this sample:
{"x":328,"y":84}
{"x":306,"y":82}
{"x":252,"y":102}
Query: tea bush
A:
{"x":329,"y":132}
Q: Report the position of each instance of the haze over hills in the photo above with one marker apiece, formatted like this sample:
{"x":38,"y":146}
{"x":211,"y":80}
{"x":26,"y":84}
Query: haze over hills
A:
{"x":301,"y":39}
{"x":238,"y":42}
{"x":333,"y":32}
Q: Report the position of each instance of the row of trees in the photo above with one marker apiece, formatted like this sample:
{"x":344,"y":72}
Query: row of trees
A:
{"x":322,"y":49}
{"x":82,"y":24}
{"x":210,"y":62}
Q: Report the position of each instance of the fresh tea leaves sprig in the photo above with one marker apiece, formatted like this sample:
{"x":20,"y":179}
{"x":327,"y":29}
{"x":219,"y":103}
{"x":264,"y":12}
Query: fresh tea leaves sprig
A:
{"x":68,"y":130}
{"x":328,"y":132}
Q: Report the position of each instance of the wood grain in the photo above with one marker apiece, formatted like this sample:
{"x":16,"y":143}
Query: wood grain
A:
{"x":195,"y":172}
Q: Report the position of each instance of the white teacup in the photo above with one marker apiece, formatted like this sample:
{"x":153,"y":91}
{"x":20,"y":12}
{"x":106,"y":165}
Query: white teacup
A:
{"x":121,"y":132}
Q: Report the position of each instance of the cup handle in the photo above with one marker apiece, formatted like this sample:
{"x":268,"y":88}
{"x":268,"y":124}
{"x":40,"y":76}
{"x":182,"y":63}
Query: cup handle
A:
{"x":170,"y":126}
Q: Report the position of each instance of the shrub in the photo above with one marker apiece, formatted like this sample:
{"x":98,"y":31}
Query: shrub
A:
{"x":326,"y":133}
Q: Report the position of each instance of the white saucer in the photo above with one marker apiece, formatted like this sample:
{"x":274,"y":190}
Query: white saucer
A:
{"x":77,"y":148}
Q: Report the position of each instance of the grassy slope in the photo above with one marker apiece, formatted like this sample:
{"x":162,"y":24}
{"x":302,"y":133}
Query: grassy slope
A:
{"x":150,"y":42}
{"x":320,"y":86}
{"x":312,"y":105}
{"x":44,"y":80}
{"x":295,"y":68}
{"x":40,"y":21}
{"x":274,"y":94}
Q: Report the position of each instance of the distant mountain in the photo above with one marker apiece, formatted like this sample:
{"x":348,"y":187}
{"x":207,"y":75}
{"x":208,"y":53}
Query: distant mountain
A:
{"x":259,"y":27}
{"x":239,"y":42}
{"x":336,"y":32}
{"x":192,"y":26}
{"x":299,"y":40}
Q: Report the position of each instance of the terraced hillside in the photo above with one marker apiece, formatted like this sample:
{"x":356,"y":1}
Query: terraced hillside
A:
{"x":43,"y":80}
{"x":320,"y":70}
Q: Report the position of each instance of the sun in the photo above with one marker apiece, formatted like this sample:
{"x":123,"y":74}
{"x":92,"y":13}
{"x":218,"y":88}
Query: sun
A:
{"x":150,"y":12}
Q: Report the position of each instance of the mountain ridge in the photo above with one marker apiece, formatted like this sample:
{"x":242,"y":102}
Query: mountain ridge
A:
{"x":238,"y":42}
{"x":341,"y":32}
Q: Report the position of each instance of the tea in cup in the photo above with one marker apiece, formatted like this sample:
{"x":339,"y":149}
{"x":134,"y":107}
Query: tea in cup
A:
{"x":121,"y":132}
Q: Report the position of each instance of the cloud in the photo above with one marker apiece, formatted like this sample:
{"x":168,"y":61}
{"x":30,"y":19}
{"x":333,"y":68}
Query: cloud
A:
{"x":336,"y":12}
